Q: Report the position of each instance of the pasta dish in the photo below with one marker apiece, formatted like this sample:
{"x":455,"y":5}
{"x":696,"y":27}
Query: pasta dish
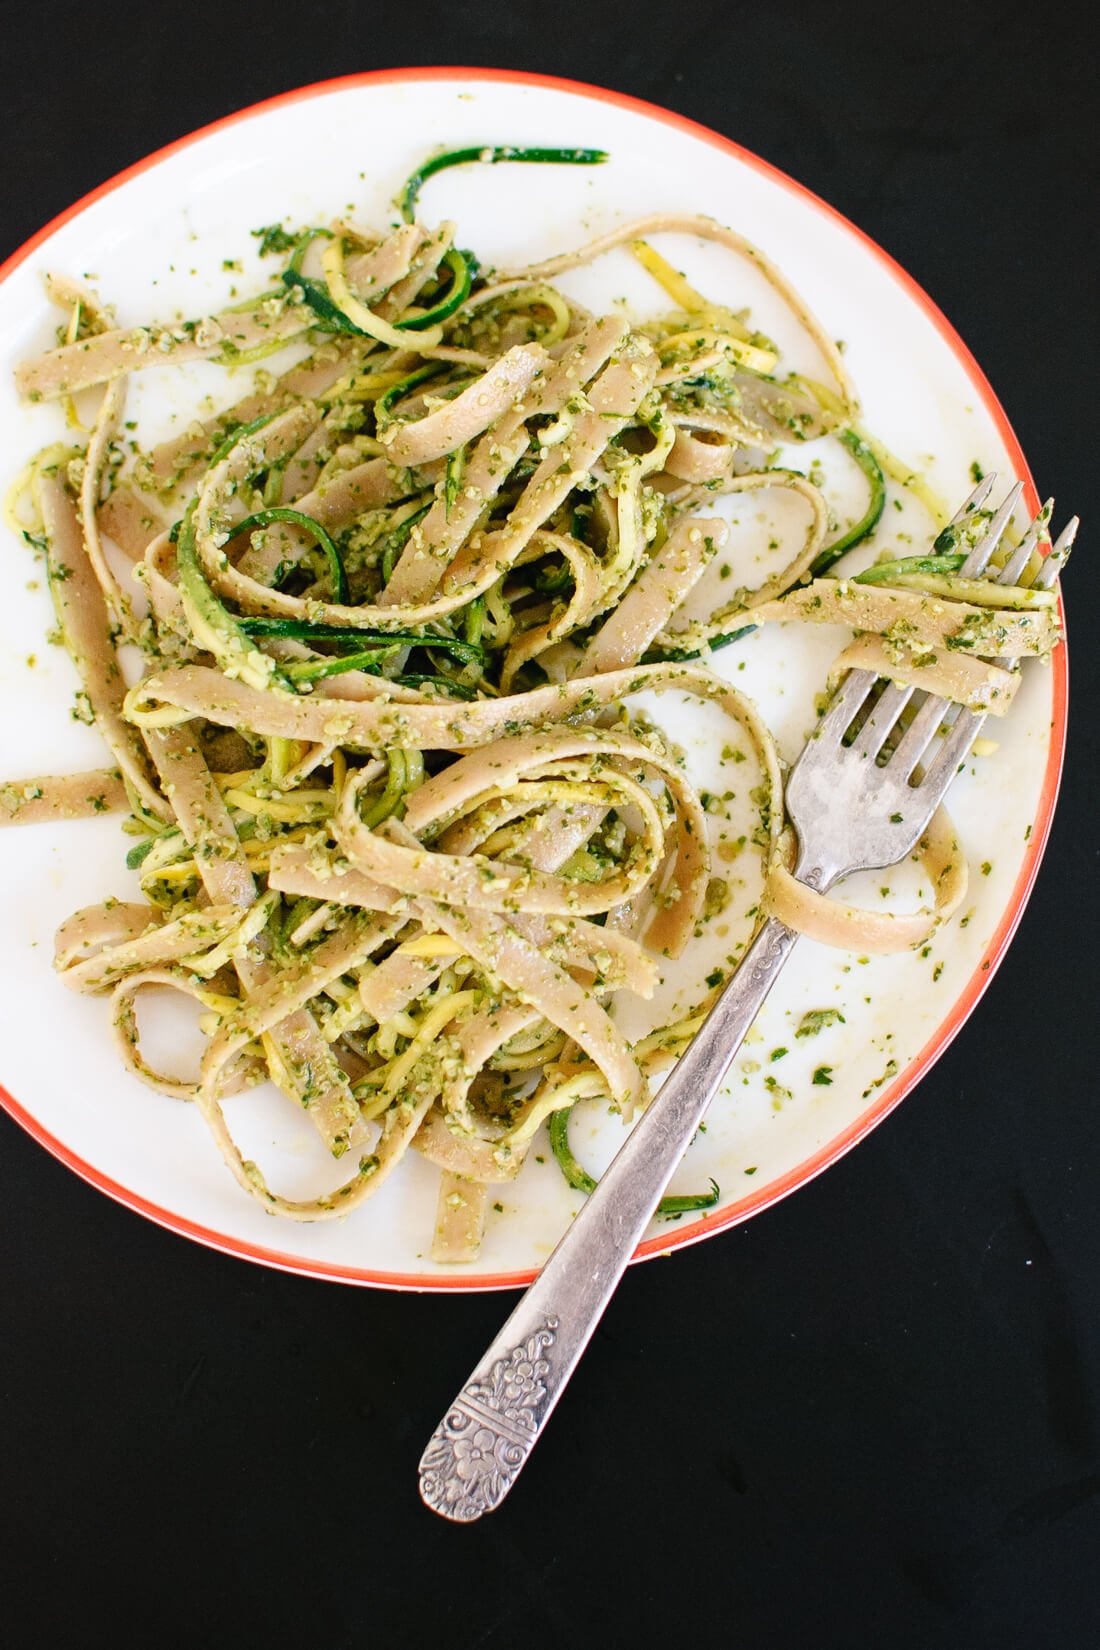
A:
{"x":366,"y":651}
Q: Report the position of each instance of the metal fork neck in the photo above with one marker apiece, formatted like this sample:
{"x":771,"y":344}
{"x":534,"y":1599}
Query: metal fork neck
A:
{"x":814,"y":870}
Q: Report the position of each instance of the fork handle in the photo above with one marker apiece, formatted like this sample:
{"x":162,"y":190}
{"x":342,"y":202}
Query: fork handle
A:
{"x":479,"y":1448}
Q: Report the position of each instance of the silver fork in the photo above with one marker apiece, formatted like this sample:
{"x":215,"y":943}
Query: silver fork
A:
{"x":856,"y":806}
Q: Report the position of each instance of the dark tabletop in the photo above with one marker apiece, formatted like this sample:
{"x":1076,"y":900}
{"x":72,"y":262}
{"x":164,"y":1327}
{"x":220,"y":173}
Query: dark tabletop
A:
{"x":866,"y":1419}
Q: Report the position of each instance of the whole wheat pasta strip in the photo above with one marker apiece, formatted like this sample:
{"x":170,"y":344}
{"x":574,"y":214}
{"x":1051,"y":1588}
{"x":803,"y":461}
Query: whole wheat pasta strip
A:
{"x":915,"y":623}
{"x":87,"y":631}
{"x":67,"y":796}
{"x":657,"y":591}
{"x":107,"y":355}
{"x":130,"y":519}
{"x":471,"y":412}
{"x":975,"y":683}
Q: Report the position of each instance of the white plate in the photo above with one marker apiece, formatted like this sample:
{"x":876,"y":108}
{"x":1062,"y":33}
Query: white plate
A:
{"x":155,"y":239}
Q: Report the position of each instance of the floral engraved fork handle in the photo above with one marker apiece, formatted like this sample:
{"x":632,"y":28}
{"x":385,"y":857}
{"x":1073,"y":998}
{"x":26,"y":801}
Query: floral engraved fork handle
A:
{"x":483,"y":1440}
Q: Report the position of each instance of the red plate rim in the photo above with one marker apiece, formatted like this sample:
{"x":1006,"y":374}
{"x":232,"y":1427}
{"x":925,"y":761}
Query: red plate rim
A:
{"x":735,"y":1213}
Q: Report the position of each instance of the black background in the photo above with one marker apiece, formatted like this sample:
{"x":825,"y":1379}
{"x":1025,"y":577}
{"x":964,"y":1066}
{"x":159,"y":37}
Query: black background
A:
{"x":867,"y":1419}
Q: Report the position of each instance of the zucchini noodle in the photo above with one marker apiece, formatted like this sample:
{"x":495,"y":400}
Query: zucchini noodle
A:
{"x":405,"y":838}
